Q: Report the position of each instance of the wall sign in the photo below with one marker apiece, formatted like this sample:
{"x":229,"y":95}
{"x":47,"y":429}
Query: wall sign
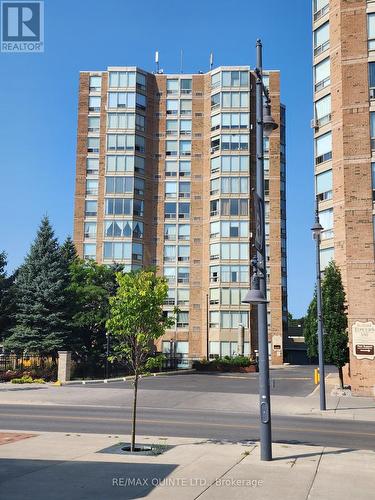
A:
{"x":363,"y":337}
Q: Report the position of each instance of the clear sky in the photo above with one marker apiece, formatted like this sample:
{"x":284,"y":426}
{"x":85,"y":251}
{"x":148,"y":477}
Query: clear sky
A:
{"x":38,"y":101}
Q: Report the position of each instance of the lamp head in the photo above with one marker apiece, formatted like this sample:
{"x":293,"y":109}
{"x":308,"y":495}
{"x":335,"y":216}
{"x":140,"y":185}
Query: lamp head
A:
{"x":254,"y":297}
{"x":316,"y":229}
{"x":269,"y":124}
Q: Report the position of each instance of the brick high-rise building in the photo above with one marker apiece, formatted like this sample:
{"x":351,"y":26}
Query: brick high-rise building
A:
{"x":344,"y":123}
{"x":165,"y":172}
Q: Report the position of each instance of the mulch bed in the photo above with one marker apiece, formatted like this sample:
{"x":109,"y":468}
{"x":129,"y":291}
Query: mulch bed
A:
{"x":12,"y":437}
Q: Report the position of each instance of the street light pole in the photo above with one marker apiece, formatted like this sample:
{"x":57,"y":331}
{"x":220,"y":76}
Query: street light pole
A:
{"x":258,"y":292}
{"x":264,"y":382}
{"x":317,"y":230}
{"x":107,"y":356}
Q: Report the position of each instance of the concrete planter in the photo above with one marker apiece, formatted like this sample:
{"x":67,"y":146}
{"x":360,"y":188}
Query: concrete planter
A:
{"x":232,"y":369}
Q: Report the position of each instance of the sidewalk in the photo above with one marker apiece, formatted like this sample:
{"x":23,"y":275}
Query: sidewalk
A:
{"x":59,"y":466}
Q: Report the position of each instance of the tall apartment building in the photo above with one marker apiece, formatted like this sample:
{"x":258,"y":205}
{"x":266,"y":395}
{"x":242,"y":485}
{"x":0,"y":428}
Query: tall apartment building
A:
{"x":165,"y":172}
{"x":344,"y":123}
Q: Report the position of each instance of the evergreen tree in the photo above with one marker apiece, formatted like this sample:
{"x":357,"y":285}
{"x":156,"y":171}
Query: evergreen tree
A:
{"x":69,"y":252}
{"x":41,"y":320}
{"x":310,"y":329}
{"x":7,"y":300}
{"x":334,"y":321}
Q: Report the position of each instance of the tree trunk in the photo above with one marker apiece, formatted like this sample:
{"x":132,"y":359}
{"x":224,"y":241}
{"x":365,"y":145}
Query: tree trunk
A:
{"x":132,"y":444}
{"x":341,"y":377}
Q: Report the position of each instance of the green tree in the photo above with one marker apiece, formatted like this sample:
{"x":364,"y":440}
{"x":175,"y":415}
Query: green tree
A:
{"x":42,"y":326}
{"x":7,"y":299}
{"x":137,"y":321}
{"x":334,"y":321}
{"x":69,"y":252}
{"x":90,"y":288}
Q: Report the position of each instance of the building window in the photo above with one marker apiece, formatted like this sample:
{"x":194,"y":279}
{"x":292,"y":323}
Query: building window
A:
{"x":214,"y":186}
{"x":326,"y":220}
{"x":235,"y":142}
{"x":119,"y":185}
{"x":232,"y":319}
{"x":234,"y":229}
{"x":120,"y":142}
{"x":171,"y":148}
{"x":234,"y":207}
{"x":140,"y":144}
{"x":121,"y":121}
{"x":372,"y":130}
{"x":215,"y":144}
{"x":94,"y":104}
{"x":234,"y":251}
{"x":184,"y":190}
{"x":235,"y":120}
{"x":117,"y":251}
{"x":185,"y":148}
{"x":185,"y":106}
{"x":169,"y":253}
{"x":171,"y":168}
{"x":121,"y":79}
{"x":321,"y":39}
{"x":172,"y":86}
{"x":183,"y":253}
{"x":90,"y":230}
{"x":182,"y":319}
{"x":323,"y":148}
{"x":373,"y":181}
{"x":172,"y":127}
{"x":322,"y":73}
{"x":91,"y":208}
{"x":232,"y":296}
{"x":120,"y":163}
{"x":118,"y":206}
{"x":230,"y":164}
{"x":170,"y":232}
{"x":371,"y":71}
{"x":215,"y":101}
{"x":323,"y":111}
{"x":92,"y":166}
{"x":186,"y":85}
{"x":235,"y":78}
{"x":234,"y":185}
{"x":235,"y":100}
{"x":170,"y":274}
{"x":95,"y":83}
{"x":171,"y":189}
{"x":141,"y":81}
{"x":184,"y":210}
{"x":214,"y":229}
{"x":93,"y":144}
{"x":93,"y":124}
{"x":324,"y":185}
{"x":234,"y":274}
{"x":371,"y":31}
{"x":185,"y":127}
{"x":123,"y":229}
{"x":141,"y":101}
{"x":89,"y":251}
{"x":183,"y":232}
{"x":170,"y":210}
{"x":215,"y":80}
{"x":326,"y":255}
{"x":92,"y":187}
{"x":184,"y":168}
{"x":172,"y":106}
{"x":214,"y":322}
{"x":121,"y":100}
{"x":137,"y":251}
{"x":321,"y":7}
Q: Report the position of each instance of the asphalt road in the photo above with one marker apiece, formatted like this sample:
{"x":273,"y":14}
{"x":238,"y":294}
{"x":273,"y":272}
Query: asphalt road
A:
{"x":291,"y":381}
{"x":164,"y":422}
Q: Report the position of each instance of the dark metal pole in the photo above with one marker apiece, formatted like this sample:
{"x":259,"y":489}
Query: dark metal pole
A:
{"x":207,"y":329}
{"x":264,"y":380}
{"x":322,"y":387}
{"x":106,"y":358}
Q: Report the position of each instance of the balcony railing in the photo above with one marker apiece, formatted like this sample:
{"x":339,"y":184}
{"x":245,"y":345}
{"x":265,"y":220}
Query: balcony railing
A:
{"x":320,"y":13}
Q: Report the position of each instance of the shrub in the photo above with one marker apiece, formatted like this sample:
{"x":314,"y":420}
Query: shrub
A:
{"x":225,"y":364}
{"x":23,"y":380}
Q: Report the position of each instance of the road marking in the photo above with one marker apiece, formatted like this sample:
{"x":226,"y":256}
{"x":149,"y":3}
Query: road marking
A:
{"x":181,"y":422}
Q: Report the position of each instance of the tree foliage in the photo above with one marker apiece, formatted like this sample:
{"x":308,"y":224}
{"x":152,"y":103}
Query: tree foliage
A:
{"x":7,"y":299}
{"x":42,"y":325}
{"x":334,"y":320}
{"x":90,"y":288}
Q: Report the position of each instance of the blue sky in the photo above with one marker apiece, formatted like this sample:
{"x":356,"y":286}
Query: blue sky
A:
{"x":38,"y":101}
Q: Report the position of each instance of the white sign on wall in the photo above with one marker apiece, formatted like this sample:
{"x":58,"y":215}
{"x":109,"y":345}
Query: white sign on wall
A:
{"x":363,"y":337}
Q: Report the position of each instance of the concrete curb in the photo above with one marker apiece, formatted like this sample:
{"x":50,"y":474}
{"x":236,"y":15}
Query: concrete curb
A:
{"x":126,"y":379}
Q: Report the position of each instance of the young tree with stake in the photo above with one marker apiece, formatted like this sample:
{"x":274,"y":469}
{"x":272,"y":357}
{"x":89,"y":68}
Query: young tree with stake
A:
{"x":136,"y":322}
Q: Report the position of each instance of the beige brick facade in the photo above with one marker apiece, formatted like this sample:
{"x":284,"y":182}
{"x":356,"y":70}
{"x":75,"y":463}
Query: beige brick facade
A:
{"x":352,"y":196}
{"x":215,"y":327}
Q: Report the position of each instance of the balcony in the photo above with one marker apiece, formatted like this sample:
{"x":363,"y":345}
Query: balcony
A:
{"x":321,"y":48}
{"x":320,"y":13}
{"x":323,"y":84}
